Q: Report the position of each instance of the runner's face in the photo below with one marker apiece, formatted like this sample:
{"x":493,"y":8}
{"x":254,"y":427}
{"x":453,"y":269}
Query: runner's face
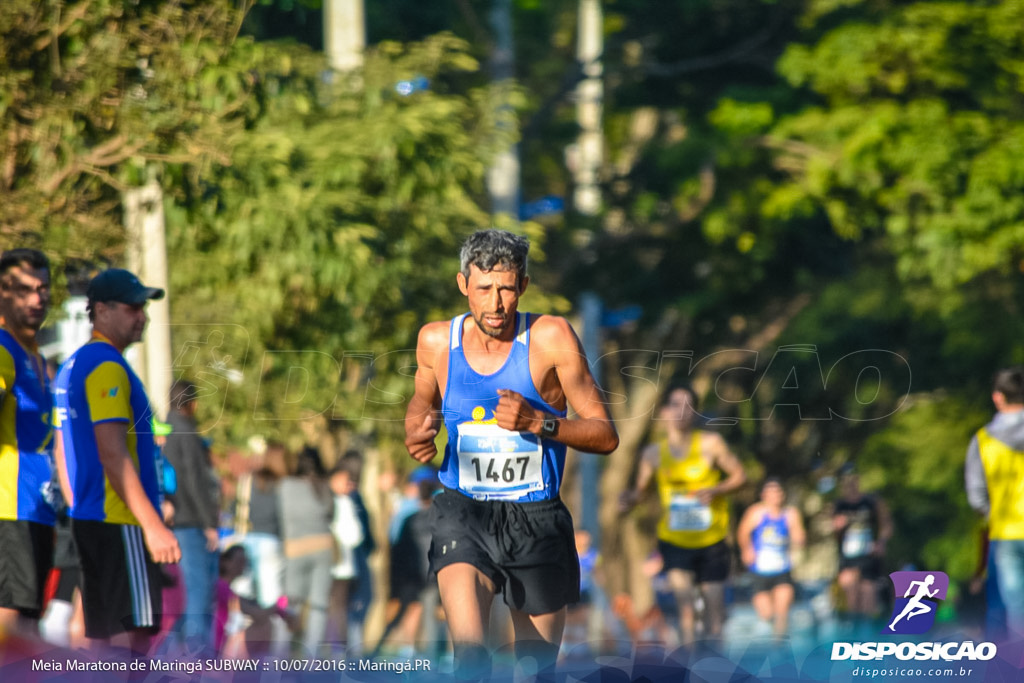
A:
{"x":25,"y":297}
{"x":679,"y":408}
{"x":773,"y":495}
{"x":493,"y":298}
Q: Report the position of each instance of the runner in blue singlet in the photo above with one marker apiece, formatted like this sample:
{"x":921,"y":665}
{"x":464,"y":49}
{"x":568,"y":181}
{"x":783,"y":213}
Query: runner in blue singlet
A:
{"x":504,"y":381}
{"x":767,"y":536}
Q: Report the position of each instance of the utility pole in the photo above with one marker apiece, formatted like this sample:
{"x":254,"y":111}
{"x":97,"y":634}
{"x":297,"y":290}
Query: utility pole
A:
{"x":588,"y":155}
{"x":589,"y":152}
{"x":503,"y":176}
{"x":591,"y":309}
{"x":344,"y":33}
{"x":147,"y":258}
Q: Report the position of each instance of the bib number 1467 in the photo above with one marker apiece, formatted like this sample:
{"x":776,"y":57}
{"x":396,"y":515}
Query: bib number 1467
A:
{"x":514,"y":469}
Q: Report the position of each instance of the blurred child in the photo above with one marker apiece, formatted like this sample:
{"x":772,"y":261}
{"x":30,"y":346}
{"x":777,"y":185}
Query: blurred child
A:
{"x":231,"y":638}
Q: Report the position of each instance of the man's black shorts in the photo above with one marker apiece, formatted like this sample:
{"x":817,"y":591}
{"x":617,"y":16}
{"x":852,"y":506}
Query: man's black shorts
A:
{"x":26,"y":556}
{"x":527,"y":549}
{"x":120,"y":583}
{"x":766,"y":582}
{"x":710,"y":564}
{"x":870,"y":566}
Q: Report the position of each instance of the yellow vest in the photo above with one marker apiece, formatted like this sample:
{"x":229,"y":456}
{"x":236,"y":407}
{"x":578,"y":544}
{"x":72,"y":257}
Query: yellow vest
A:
{"x":685,"y":522}
{"x":1004,"y":474}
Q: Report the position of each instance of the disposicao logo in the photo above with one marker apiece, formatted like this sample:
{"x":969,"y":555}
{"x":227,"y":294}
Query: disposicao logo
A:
{"x":917,"y":598}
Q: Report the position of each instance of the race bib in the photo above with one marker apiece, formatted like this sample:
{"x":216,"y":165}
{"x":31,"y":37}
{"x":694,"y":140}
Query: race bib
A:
{"x":857,"y":542}
{"x":685,"y":513}
{"x":498,"y":464}
{"x":770,"y":561}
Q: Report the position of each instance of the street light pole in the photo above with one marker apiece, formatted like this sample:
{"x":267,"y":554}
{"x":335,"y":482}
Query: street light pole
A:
{"x":147,"y":258}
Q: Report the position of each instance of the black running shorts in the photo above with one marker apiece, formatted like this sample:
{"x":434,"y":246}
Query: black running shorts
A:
{"x":120,"y":583}
{"x":709,"y":565}
{"x":26,"y":556}
{"x":870,"y":566}
{"x":766,"y":582}
{"x":527,"y":549}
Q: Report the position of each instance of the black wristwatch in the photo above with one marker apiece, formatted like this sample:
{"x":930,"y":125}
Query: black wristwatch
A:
{"x":549,"y":427}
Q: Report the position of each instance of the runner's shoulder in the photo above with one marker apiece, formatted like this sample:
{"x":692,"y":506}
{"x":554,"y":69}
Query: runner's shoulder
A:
{"x":433,"y":335}
{"x":551,"y":329}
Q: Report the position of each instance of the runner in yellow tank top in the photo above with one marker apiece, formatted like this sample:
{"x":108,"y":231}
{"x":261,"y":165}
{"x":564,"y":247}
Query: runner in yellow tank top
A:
{"x":687,"y":521}
{"x":688,"y":465}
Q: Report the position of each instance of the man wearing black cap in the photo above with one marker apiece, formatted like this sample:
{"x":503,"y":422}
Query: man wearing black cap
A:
{"x":106,"y":424}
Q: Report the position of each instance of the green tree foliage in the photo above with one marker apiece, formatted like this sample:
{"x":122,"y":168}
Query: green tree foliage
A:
{"x":917,"y":133}
{"x":333,"y":235}
{"x":94,"y":91}
{"x":915,"y":462}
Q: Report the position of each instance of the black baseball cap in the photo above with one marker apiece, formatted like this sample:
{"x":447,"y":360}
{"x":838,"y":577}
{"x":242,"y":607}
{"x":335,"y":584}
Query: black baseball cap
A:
{"x":117,"y":284}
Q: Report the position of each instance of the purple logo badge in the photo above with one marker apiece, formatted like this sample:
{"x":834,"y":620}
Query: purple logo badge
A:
{"x":917,"y":598}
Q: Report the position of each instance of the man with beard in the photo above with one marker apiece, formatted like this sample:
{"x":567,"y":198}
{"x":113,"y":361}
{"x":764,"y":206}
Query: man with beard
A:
{"x":26,"y":440}
{"x":503,"y":381}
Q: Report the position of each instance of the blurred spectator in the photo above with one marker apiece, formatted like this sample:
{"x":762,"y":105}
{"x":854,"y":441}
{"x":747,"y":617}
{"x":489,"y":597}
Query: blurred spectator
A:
{"x":305,"y":510}
{"x":348,"y":535}
{"x":578,"y":617}
{"x":241,"y":627}
{"x":409,"y":576}
{"x":257,"y":524}
{"x":994,"y":473}
{"x":196,"y":512}
{"x":361,"y":594}
{"x":409,"y":503}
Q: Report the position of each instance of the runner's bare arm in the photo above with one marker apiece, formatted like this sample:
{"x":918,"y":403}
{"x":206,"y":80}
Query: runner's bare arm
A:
{"x":725,"y":460}
{"x":744,"y":531}
{"x":645,"y":472}
{"x":111,"y":442}
{"x":591,"y":430}
{"x":796,"y":527}
{"x":421,"y":421}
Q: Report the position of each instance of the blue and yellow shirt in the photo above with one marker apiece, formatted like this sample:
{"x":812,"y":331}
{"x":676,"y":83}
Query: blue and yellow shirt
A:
{"x":97,"y":385}
{"x":26,"y":438}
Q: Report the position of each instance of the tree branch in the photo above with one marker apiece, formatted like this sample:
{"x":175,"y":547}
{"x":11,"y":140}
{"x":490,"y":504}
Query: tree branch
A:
{"x":713,"y":61}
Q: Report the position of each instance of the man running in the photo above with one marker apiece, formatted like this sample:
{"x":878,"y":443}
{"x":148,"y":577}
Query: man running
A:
{"x":688,"y":465}
{"x":503,"y":380}
{"x":863,"y":526}
{"x":106,"y":425}
{"x":768,"y":534}
{"x":26,"y":440}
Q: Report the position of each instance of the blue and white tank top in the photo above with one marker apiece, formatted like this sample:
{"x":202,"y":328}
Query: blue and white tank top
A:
{"x":482,"y":460}
{"x":771,"y":545}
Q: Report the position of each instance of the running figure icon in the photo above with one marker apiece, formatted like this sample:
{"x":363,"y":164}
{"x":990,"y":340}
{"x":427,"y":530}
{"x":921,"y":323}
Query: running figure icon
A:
{"x":915,"y":606}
